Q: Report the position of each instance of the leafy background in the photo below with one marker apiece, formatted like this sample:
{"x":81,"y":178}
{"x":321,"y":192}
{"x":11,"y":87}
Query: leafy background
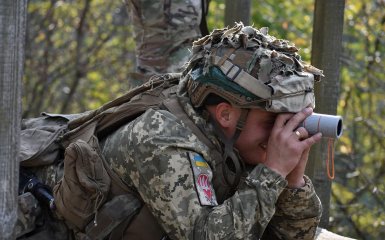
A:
{"x":80,"y":54}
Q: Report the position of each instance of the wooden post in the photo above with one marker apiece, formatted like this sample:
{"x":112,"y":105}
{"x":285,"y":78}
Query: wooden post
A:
{"x":12,"y":35}
{"x":326,"y":54}
{"x":236,"y":11}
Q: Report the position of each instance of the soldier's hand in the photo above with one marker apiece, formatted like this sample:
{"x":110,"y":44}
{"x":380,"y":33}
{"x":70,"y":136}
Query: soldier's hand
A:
{"x":288,"y":146}
{"x":295,"y":178}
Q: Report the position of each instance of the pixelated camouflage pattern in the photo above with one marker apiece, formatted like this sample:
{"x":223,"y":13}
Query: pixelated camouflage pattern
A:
{"x":151,"y":155}
{"x":49,"y":174}
{"x":35,"y":222}
{"x":164,"y":32}
{"x":29,"y":209}
{"x":294,"y":221}
{"x":253,"y":62}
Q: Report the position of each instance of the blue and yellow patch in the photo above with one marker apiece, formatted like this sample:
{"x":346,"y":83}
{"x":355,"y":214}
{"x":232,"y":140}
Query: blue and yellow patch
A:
{"x":199,"y":161}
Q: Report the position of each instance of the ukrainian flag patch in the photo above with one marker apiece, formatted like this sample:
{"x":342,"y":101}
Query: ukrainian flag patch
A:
{"x":199,"y":161}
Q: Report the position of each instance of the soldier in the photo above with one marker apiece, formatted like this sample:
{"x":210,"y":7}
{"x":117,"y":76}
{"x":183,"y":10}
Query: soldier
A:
{"x":164,"y":32}
{"x":234,"y":167}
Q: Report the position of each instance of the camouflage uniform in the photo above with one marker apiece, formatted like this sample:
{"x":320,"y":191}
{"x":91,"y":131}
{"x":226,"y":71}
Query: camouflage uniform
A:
{"x":153,"y":155}
{"x":164,"y":31}
{"x":28,"y":211}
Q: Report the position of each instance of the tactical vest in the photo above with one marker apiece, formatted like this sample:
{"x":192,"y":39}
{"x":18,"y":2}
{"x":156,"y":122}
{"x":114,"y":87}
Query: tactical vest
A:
{"x":90,"y":196}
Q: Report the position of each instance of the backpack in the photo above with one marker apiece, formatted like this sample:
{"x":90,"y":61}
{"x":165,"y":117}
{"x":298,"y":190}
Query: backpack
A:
{"x":89,"y":193}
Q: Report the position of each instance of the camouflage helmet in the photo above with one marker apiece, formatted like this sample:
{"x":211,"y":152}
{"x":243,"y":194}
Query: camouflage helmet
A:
{"x":250,"y":69}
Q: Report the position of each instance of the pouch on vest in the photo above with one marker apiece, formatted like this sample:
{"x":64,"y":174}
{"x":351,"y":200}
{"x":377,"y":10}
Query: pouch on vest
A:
{"x":120,"y":209}
{"x":85,"y":185}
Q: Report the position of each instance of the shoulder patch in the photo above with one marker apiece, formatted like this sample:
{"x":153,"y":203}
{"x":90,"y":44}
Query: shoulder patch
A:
{"x":203,"y":177}
{"x":199,"y":161}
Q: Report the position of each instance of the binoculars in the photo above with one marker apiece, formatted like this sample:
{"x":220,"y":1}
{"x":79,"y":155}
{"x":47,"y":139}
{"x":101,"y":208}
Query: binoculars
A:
{"x":329,"y":125}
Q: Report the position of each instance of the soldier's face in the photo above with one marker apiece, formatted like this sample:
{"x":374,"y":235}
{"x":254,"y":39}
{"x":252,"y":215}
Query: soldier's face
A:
{"x":253,"y":139}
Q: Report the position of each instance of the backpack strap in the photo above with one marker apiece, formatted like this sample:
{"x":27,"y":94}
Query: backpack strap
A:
{"x":112,"y":107}
{"x":172,"y":104}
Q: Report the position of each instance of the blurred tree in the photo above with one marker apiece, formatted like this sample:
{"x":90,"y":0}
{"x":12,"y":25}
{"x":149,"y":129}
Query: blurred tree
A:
{"x":358,"y":194}
{"x":237,"y":11}
{"x":78,"y":55}
{"x":328,"y":23}
{"x":12,"y":32}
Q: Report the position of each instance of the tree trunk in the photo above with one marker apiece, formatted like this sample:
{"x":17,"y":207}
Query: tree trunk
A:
{"x":326,"y":54}
{"x":237,"y":11}
{"x":12,"y":32}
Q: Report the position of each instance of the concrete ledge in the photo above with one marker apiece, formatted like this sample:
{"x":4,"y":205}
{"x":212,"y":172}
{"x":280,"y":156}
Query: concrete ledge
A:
{"x":323,"y":234}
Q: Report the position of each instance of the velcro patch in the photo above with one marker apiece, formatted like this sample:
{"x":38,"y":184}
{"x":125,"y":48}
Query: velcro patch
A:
{"x":202,"y":177}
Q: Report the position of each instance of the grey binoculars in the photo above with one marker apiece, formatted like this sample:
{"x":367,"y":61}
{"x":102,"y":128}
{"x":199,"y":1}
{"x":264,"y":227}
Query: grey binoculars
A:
{"x":329,"y":125}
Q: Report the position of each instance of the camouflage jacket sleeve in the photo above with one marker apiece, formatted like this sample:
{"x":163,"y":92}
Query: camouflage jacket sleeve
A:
{"x":297,"y":215}
{"x":247,"y":213}
{"x":156,"y":162}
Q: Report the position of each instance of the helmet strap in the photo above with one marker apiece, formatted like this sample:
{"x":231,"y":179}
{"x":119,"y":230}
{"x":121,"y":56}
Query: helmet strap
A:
{"x":242,"y":119}
{"x":230,"y":161}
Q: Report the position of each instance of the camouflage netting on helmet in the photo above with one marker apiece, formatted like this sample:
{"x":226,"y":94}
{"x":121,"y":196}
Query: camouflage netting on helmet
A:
{"x":250,"y":69}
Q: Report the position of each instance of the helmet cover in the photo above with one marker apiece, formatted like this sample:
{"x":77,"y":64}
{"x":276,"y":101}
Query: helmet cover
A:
{"x":250,"y":69}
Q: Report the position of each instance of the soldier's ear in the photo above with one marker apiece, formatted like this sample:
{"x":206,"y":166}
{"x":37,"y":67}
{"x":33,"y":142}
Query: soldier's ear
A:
{"x":226,"y":115}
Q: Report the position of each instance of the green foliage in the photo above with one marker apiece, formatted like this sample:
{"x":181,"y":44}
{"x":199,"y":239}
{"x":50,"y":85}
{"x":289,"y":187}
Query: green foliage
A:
{"x":216,"y":14}
{"x":362,"y":147}
{"x":79,"y":55}
{"x":285,"y":19}
{"x":290,"y":20}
